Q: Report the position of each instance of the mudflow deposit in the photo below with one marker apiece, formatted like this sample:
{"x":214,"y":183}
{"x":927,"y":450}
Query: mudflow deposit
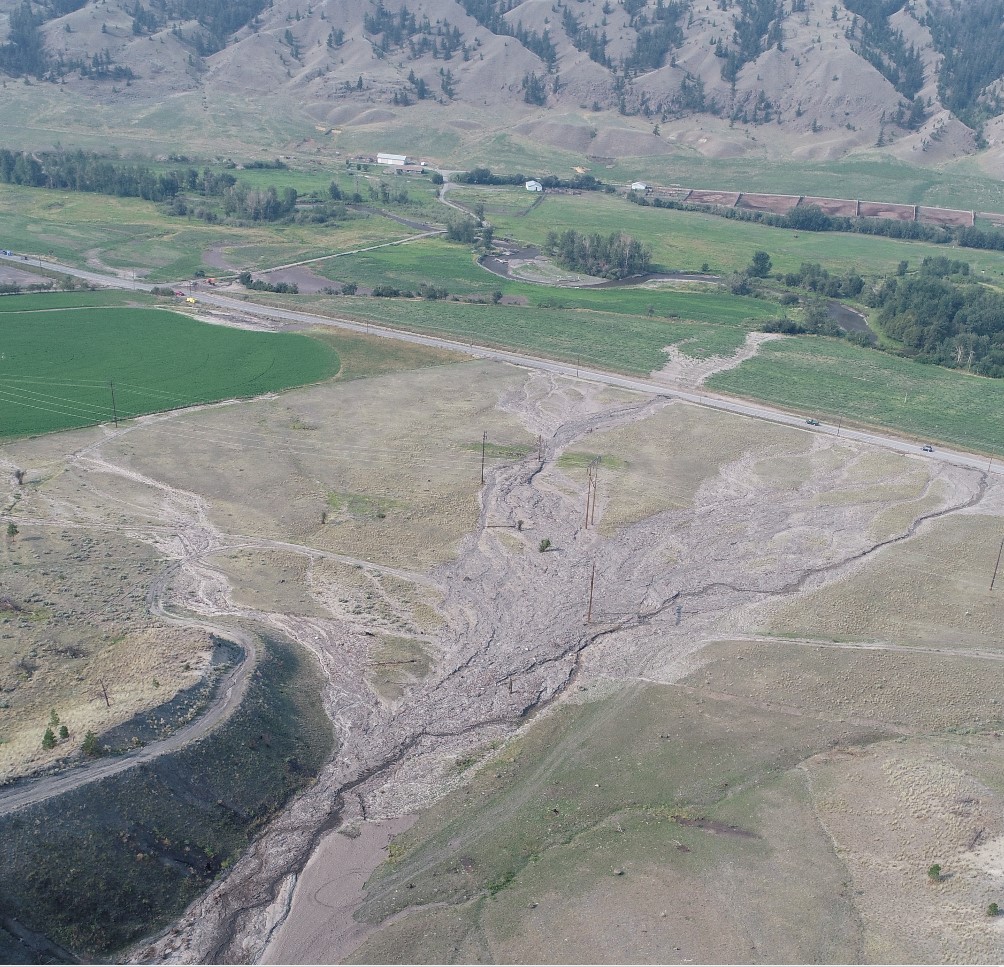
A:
{"x":829,"y":596}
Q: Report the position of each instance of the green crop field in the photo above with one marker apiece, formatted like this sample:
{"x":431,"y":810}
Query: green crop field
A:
{"x":707,"y":324}
{"x":98,"y":231}
{"x":433,"y":261}
{"x":831,"y":379}
{"x":497,"y":199}
{"x":686,"y":240}
{"x":436,"y":262}
{"x":960,"y":184}
{"x":74,"y":300}
{"x":56,"y":366}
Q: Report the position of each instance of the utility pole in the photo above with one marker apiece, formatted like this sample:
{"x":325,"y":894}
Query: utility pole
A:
{"x":115,"y":414}
{"x":595,"y":475}
{"x":484,"y":443}
{"x":105,"y":693}
{"x":996,"y":566}
{"x":592,"y":580}
{"x":540,"y":447}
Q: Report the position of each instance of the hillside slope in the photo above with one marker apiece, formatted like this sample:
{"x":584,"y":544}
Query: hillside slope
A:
{"x":815,"y":79}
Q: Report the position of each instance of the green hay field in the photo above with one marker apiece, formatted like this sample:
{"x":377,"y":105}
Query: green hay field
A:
{"x":74,"y":300}
{"x":56,"y":365}
{"x":571,"y":330}
{"x":437,"y":262}
{"x":684,"y":241}
{"x":831,"y":379}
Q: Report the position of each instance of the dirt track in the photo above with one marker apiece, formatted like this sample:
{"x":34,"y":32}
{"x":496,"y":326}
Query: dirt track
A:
{"x":229,"y":694}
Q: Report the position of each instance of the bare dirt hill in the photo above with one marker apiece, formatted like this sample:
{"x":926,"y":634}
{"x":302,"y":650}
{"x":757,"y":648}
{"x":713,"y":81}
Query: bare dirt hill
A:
{"x":813,"y":79}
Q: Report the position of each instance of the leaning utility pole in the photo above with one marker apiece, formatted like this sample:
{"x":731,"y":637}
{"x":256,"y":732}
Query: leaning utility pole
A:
{"x":996,"y":566}
{"x":484,"y":443}
{"x":592,"y":580}
{"x":115,"y":415}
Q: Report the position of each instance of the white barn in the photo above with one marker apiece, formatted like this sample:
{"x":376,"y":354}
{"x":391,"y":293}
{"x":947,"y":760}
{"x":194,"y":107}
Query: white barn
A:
{"x":392,"y":159}
{"x":534,"y":186}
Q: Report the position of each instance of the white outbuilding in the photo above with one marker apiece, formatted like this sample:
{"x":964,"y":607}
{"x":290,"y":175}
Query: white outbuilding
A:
{"x":639,"y":186}
{"x":392,"y":159}
{"x":534,"y":186}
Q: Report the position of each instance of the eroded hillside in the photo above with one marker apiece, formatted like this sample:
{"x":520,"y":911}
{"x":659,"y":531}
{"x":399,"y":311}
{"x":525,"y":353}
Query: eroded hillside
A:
{"x":813,"y":79}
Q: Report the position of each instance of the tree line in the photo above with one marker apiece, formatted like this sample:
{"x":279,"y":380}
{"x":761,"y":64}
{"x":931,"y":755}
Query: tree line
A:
{"x":972,"y":61}
{"x":25,"y":52}
{"x":939,"y":314}
{"x":80,"y":170}
{"x":757,"y":28}
{"x":883,"y":47}
{"x":85,"y":171}
{"x":491,"y":15}
{"x":485,"y":176}
{"x":811,"y":218}
{"x":652,"y":44}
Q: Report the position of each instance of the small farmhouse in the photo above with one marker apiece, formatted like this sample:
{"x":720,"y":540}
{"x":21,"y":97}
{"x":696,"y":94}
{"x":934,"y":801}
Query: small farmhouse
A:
{"x":534,"y":186}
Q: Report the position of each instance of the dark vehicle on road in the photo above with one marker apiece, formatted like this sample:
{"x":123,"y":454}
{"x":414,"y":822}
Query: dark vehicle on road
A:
{"x":927,"y":448}
{"x":812,"y":422}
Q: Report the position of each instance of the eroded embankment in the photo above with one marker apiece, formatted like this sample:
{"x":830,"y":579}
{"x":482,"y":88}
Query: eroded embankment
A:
{"x":99,"y":867}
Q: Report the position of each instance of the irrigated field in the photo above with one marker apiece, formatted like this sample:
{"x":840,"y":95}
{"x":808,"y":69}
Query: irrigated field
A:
{"x":136,"y":237}
{"x":61,"y":367}
{"x":578,"y":326}
{"x":684,"y":241}
{"x":832,"y":379}
{"x":77,"y":636}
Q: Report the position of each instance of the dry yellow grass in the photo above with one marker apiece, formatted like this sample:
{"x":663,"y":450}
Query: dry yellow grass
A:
{"x":894,"y":810}
{"x":660,"y":463}
{"x":75,"y":617}
{"x":909,"y":690}
{"x":933,"y":589}
{"x":391,"y":464}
